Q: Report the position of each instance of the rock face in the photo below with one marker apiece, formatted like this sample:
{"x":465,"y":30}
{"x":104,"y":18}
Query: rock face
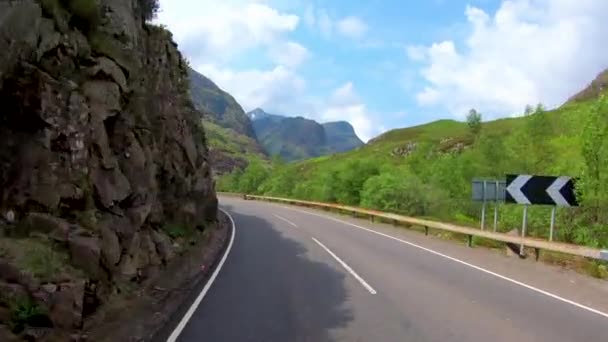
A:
{"x":100,"y":145}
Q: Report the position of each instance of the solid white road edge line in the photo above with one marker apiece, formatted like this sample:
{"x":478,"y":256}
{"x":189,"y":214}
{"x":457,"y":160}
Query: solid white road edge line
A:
{"x":513,"y":281}
{"x":286,"y":220}
{"x":350,"y":270}
{"x":182,"y":324}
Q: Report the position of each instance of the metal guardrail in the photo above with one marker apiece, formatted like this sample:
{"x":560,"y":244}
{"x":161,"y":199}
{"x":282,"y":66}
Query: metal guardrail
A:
{"x":538,"y":244}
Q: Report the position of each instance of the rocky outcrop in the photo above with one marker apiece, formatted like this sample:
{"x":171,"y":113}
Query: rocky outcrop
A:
{"x":100,"y":148}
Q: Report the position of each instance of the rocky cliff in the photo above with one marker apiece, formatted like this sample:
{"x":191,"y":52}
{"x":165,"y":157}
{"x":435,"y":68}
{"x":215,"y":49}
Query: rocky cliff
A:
{"x":103,"y":160}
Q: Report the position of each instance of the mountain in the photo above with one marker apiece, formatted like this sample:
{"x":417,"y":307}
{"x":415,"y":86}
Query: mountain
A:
{"x":231,"y":137}
{"x":222,"y":107}
{"x":341,"y":136}
{"x":296,"y":138}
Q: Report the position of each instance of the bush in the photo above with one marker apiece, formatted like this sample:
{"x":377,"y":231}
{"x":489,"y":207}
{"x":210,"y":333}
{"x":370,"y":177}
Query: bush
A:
{"x":25,"y":312}
{"x":402,"y":193}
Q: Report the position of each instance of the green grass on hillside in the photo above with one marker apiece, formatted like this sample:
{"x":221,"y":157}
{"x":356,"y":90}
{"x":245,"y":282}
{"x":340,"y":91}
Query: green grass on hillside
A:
{"x":232,"y":145}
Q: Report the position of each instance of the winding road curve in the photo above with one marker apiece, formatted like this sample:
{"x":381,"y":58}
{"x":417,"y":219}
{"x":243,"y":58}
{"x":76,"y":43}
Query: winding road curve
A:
{"x":296,"y":274}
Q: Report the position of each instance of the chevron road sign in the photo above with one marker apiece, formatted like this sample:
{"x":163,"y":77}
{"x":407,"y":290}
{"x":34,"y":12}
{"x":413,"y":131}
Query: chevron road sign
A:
{"x":528,"y":189}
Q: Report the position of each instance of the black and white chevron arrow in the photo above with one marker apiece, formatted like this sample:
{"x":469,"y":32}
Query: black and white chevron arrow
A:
{"x":528,"y":189}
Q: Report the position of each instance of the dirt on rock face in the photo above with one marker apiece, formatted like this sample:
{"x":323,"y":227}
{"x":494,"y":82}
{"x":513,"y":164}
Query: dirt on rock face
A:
{"x":103,"y":159}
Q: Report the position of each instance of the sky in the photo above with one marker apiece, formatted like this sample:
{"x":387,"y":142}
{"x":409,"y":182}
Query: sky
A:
{"x":384,"y":64}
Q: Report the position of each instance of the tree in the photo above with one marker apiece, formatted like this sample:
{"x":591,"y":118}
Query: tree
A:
{"x":529,"y":110}
{"x":255,"y":174}
{"x":539,"y":108}
{"x":474,"y":122}
{"x":594,"y":183}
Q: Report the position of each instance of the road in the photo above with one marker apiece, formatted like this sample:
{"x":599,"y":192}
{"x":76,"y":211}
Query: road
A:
{"x":297,"y":274}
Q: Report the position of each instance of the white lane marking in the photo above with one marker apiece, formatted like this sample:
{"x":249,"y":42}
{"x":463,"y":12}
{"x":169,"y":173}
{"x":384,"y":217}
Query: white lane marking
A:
{"x":182,"y":324}
{"x":286,"y":220}
{"x":513,"y":281}
{"x":350,"y":270}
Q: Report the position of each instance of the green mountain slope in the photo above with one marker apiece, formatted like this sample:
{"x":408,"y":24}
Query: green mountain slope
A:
{"x":299,"y":138}
{"x":232,"y":140}
{"x":427,"y":170}
{"x":224,"y":109}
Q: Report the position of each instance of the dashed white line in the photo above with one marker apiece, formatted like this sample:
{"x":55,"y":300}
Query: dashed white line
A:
{"x":350,"y":270}
{"x":286,"y":220}
{"x":513,"y":281}
{"x":182,"y":324}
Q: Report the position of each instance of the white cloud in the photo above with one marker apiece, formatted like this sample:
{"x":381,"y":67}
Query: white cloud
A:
{"x":326,"y":24}
{"x":345,"y":104}
{"x":529,"y":51}
{"x":351,"y":27}
{"x":289,"y":54}
{"x":217,"y":30}
{"x":273,"y":88}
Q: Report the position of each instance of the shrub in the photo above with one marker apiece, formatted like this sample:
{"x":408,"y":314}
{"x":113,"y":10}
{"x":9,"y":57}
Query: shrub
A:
{"x":25,"y":312}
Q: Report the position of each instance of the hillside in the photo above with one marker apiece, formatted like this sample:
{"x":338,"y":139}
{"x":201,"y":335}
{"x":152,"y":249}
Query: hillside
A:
{"x":297,"y":138}
{"x":222,"y":107}
{"x":427,"y":170}
{"x":597,"y":86}
{"x":102,"y":161}
{"x":232,"y":140}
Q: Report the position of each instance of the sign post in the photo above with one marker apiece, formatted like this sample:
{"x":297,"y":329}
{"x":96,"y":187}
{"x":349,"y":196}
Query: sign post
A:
{"x":552,"y":223}
{"x":488,"y":191}
{"x":524,"y":225}
{"x":483,"y":207}
{"x":496,"y":208}
{"x":541,"y":190}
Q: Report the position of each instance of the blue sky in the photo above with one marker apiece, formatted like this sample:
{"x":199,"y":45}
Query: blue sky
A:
{"x":384,"y":64}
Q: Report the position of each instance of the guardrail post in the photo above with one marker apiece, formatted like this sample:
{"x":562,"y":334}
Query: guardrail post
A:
{"x":537,"y":253}
{"x":426,"y":230}
{"x":470,"y":241}
{"x":371,"y":218}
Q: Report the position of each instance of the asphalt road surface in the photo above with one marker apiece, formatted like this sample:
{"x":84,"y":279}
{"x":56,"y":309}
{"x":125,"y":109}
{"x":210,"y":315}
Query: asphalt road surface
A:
{"x":296,"y":274}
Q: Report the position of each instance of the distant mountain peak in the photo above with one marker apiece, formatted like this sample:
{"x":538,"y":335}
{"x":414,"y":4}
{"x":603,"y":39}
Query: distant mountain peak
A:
{"x":297,"y":137}
{"x":259,"y":114}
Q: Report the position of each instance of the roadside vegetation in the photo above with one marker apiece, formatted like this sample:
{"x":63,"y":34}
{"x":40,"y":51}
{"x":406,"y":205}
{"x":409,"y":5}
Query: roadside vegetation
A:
{"x":426,"y":171}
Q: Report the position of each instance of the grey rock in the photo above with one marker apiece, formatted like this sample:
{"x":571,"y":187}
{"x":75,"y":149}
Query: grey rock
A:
{"x":129,"y":263}
{"x":49,"y":288}
{"x":163,"y":245}
{"x":12,"y":274}
{"x":49,"y":38}
{"x":148,"y":254}
{"x":103,"y":98}
{"x":111,"y":186}
{"x":109,"y":68}
{"x":67,"y":303}
{"x":138,"y":215}
{"x":56,"y":228}
{"x":85,"y":254}
{"x":110,"y":247}
{"x":10,"y":292}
